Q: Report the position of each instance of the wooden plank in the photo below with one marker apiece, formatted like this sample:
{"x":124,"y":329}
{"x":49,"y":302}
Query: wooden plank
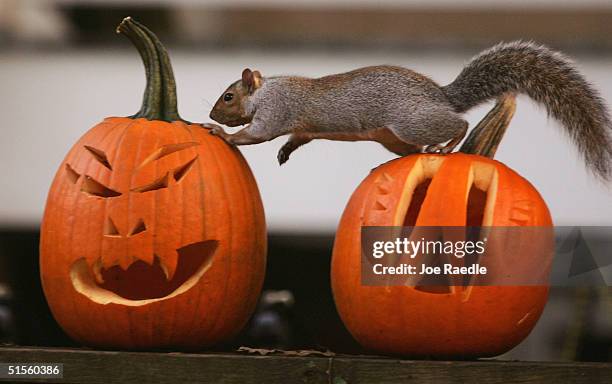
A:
{"x":87,"y":366}
{"x":360,"y":371}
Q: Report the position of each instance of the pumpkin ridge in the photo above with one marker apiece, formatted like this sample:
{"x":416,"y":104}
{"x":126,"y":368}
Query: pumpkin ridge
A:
{"x":203,"y":234}
{"x":113,"y":176}
{"x":112,"y":128}
{"x":106,"y":136}
{"x":227,"y":207}
{"x":174,"y":312}
{"x":242,"y":185}
{"x":78,"y":330}
{"x":143,"y":132}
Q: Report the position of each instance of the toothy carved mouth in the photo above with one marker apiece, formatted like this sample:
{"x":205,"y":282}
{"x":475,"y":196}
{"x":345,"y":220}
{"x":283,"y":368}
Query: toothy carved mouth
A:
{"x":142,"y":283}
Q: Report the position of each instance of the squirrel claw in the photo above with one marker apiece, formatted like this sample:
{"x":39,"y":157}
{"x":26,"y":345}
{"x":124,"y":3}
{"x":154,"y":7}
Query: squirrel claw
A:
{"x":434,"y":148}
{"x":216,"y":130}
{"x":282,"y":156}
{"x":438,"y":148}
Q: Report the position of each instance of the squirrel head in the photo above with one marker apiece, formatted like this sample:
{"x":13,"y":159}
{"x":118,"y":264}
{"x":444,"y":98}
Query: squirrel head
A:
{"x":230,"y":109}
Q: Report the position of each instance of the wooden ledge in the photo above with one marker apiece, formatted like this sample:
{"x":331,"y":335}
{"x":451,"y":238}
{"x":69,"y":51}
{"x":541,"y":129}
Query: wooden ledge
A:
{"x":106,"y":367}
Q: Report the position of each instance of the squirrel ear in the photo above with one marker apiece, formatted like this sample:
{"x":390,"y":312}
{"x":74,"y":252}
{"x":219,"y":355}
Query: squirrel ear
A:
{"x":247,"y":79}
{"x":256,"y":80}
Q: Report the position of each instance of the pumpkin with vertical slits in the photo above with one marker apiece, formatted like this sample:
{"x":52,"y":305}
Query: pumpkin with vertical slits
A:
{"x":452,"y":321}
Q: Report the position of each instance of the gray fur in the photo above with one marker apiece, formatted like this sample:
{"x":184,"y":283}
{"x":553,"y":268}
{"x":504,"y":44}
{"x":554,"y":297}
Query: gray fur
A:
{"x":547,"y":77}
{"x":411,"y":105}
{"x":420,"y":113}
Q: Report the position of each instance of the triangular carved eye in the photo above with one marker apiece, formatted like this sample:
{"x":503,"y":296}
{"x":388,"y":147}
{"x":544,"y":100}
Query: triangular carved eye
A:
{"x":160,"y":183}
{"x":99,"y":155}
{"x":73,"y":175}
{"x":180,"y":172}
{"x":95,"y":188}
{"x":166,"y":150}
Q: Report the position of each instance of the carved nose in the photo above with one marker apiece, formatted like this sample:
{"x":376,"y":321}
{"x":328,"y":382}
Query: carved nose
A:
{"x":111,"y":230}
{"x":139,"y":227}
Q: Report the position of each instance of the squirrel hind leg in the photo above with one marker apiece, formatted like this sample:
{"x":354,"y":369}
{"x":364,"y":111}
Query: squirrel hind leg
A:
{"x":431,"y":129}
{"x":401,"y":148}
{"x":388,"y":139}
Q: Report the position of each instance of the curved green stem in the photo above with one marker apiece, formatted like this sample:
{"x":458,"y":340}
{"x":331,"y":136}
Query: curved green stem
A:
{"x":159,"y":99}
{"x":486,"y":136}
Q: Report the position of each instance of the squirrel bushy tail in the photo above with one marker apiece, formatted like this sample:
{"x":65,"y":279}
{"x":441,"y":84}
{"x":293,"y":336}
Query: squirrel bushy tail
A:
{"x":549,"y":78}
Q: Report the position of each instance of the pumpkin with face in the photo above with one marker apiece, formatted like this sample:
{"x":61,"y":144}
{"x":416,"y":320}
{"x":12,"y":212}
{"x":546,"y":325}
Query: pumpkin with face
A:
{"x":154,"y":233}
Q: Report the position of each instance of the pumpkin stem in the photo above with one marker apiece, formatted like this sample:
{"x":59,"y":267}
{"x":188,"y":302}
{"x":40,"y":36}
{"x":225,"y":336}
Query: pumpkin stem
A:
{"x":485,"y":138}
{"x":159,"y":99}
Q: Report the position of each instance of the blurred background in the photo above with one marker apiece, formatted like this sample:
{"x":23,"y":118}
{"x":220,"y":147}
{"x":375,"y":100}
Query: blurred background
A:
{"x":63,"y":69}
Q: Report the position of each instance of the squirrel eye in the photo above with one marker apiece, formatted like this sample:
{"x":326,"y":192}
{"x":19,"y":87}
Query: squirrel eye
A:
{"x":228,"y":96}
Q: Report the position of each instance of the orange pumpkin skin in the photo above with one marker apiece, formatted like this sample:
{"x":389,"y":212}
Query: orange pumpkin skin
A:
{"x":157,"y":198}
{"x":477,"y":322}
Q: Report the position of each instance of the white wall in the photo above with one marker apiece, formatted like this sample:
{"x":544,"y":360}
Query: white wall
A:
{"x":48,"y":100}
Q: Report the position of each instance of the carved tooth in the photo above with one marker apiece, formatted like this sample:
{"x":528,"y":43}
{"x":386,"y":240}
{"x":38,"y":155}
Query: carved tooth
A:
{"x":385,"y":178}
{"x":521,"y":211}
{"x":97,"y":271}
{"x":148,"y":260}
{"x":163,"y":267}
{"x":125,"y":262}
{"x":109,"y":262}
{"x":383,"y":184}
{"x":383,"y":189}
{"x":170,"y":263}
{"x":380,"y":206}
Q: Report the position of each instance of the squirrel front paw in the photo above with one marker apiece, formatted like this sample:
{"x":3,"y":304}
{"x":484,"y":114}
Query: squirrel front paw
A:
{"x":214,"y":129}
{"x":217,"y":130}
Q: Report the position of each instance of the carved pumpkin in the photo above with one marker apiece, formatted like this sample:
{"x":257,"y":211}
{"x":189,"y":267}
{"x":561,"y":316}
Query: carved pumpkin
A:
{"x":153,"y":233}
{"x":451,"y":321}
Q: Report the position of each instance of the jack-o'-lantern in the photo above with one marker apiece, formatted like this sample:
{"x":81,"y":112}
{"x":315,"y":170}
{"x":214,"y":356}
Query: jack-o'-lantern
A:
{"x":433,"y":190}
{"x":153,"y":234}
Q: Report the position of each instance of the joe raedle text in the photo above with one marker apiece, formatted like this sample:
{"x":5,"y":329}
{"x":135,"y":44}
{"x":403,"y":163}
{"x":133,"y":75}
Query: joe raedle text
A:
{"x":420,"y":252}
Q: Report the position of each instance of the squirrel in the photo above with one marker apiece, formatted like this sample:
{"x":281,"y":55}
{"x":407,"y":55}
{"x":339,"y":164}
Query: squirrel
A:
{"x":408,"y":112}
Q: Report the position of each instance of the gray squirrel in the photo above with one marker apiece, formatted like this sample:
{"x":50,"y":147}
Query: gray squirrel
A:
{"x":408,"y":112}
